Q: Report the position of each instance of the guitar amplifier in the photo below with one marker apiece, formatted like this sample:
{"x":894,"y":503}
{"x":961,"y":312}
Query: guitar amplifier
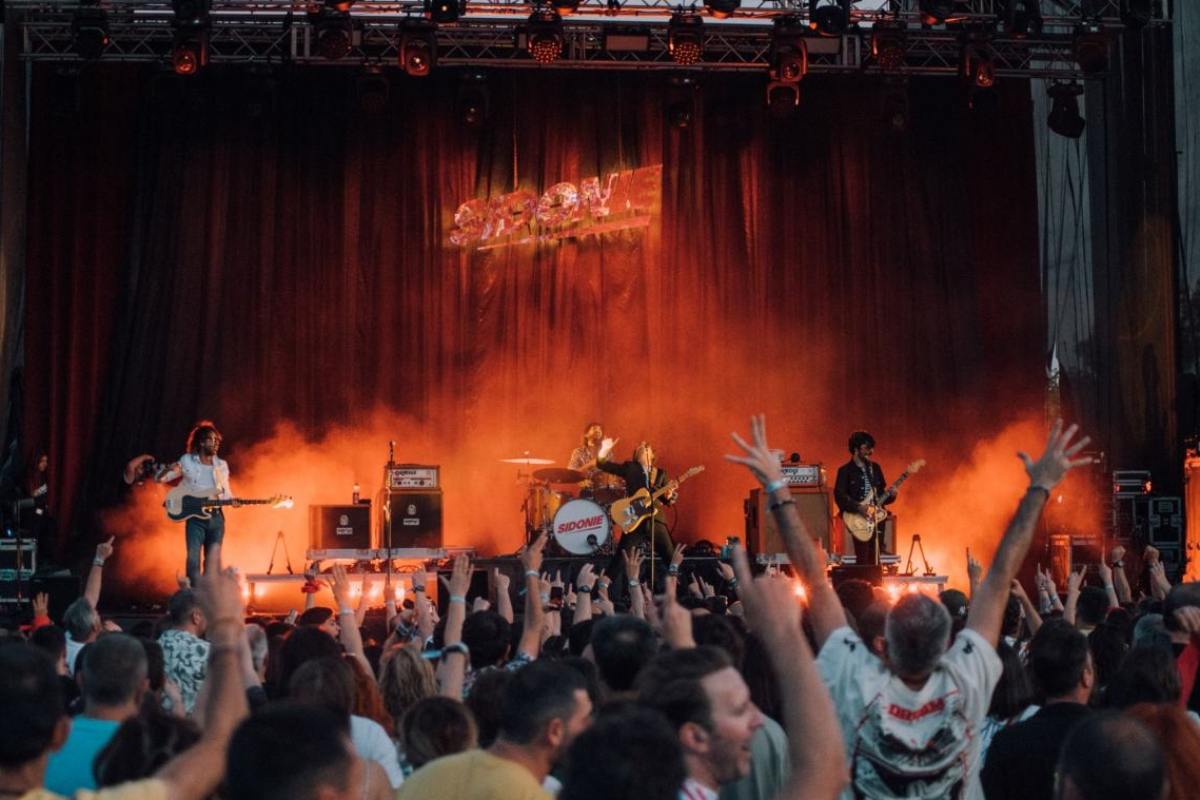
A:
{"x":411,"y":476}
{"x":339,"y":527}
{"x":762,"y":536}
{"x":416,"y":517}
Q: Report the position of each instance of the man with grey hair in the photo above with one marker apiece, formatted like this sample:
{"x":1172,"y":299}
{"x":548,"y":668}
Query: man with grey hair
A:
{"x":115,"y":678}
{"x":81,"y":619}
{"x":185,"y":654}
{"x":910,"y":719}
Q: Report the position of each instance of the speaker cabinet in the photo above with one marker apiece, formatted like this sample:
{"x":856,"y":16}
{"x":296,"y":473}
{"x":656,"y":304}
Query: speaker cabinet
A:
{"x":762,"y":535}
{"x":339,"y":527}
{"x":416,"y":518}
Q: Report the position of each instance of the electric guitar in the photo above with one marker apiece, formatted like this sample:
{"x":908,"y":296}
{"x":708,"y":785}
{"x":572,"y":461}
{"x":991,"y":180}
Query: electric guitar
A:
{"x":181,"y":506}
{"x":628,"y":512}
{"x":863,"y":526}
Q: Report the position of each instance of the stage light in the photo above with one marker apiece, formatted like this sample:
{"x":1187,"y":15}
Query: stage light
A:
{"x":782,"y":99}
{"x":342,"y":6}
{"x":189,"y":53}
{"x":335,"y":33}
{"x":544,"y":36}
{"x":473,"y":99}
{"x":1136,"y":14}
{"x":372,"y":88}
{"x":681,"y":101}
{"x":829,"y":17}
{"x":888,"y":45}
{"x":1021,"y":18}
{"x":190,"y":12}
{"x":978,"y":67}
{"x":565,"y":7}
{"x":685,"y":37}
{"x":1064,"y":116}
{"x":936,"y":12}
{"x":789,"y":52}
{"x":1091,"y":48}
{"x":89,"y":31}
{"x":895,"y":104}
{"x":418,"y":47}
{"x":445,"y":10}
{"x":722,"y":9}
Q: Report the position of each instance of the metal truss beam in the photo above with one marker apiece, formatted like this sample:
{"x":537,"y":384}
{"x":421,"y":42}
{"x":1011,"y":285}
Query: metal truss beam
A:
{"x":268,"y":32}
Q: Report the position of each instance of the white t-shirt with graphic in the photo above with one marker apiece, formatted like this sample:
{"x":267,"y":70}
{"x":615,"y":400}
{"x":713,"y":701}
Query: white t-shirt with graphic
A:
{"x":906,"y":743}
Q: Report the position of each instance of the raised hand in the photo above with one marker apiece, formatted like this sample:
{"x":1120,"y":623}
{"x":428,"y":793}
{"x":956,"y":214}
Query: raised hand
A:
{"x":1058,"y":458}
{"x":1019,"y":590}
{"x":633,"y":563}
{"x":41,"y":605}
{"x":499,"y":580}
{"x":726,"y":571}
{"x":1118,"y":554}
{"x":758,"y":457}
{"x":772,"y":609}
{"x":974,"y":569}
{"x":480,"y":604}
{"x":339,"y":584}
{"x":586,"y":577}
{"x":677,"y":555}
{"x":219,"y":596}
{"x":1106,"y":573}
{"x":1075,"y":579}
{"x":1150,"y":555}
{"x":105,"y":549}
{"x":531,"y":554}
{"x":418,"y":577}
{"x":676,"y":623}
{"x":606,"y":446}
{"x":460,"y":576}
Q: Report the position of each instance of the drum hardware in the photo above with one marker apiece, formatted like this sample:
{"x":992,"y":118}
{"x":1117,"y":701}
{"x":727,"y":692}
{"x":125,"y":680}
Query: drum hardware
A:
{"x":559,"y":475}
{"x":527,"y":460}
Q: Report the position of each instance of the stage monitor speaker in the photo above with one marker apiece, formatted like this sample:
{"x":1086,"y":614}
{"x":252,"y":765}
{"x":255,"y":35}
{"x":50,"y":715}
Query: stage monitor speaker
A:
{"x":416,"y":518}
{"x":339,"y":527}
{"x":762,"y":535}
{"x":871,"y":573}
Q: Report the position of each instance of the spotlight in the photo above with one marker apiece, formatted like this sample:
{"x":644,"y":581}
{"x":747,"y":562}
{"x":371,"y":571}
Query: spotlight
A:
{"x":418,"y":47}
{"x":445,"y":10}
{"x":1091,"y":48}
{"x":335,"y":33}
{"x":939,"y":12}
{"x":190,"y":52}
{"x":783,"y":98}
{"x":722,"y":9}
{"x":565,"y":7}
{"x":342,"y":6}
{"x":89,"y":31}
{"x":978,"y":67}
{"x":685,"y":37}
{"x":789,"y":52}
{"x":372,"y":89}
{"x":888,"y":45}
{"x":473,"y":99}
{"x":1064,"y":116}
{"x":544,"y":36}
{"x":829,"y":17}
{"x":895,"y":105}
{"x":1136,"y":14}
{"x":681,"y":101}
{"x":1021,"y":18}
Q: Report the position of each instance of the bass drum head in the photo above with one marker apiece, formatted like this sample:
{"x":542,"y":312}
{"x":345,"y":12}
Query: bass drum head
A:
{"x":581,"y":527}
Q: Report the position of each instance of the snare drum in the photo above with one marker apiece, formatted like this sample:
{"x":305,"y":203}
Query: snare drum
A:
{"x":581,"y":527}
{"x":541,"y":506}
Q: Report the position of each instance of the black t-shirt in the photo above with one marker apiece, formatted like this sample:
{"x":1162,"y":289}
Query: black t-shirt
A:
{"x":1021,"y":759}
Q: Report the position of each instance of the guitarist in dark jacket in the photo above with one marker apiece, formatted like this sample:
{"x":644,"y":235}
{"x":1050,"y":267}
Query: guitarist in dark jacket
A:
{"x":640,"y":473}
{"x":857,"y":479}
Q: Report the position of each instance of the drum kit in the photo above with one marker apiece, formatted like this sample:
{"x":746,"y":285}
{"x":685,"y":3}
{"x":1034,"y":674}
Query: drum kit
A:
{"x":568,"y":505}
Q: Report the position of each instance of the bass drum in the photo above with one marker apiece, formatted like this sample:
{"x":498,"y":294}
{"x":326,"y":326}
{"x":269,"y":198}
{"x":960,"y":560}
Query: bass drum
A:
{"x":581,"y":527}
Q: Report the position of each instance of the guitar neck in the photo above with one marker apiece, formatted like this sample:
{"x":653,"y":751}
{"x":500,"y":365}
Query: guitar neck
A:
{"x":230,"y":501}
{"x":674,"y":484}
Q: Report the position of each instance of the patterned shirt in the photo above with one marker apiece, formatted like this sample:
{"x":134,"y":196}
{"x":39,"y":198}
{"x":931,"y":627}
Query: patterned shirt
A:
{"x":185,"y":660}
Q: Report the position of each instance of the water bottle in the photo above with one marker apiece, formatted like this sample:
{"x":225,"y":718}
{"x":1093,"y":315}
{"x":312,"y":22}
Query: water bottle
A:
{"x":354,"y":496}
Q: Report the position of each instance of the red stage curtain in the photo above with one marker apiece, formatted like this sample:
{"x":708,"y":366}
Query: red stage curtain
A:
{"x":260,"y":249}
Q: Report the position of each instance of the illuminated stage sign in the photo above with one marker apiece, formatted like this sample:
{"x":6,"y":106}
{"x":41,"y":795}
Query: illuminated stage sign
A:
{"x":618,"y":201}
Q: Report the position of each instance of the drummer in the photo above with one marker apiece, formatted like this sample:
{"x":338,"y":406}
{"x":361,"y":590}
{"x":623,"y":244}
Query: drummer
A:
{"x":583,"y":459}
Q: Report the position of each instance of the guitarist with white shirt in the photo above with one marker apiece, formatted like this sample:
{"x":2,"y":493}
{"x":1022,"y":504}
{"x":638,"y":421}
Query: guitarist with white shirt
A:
{"x":204,"y":474}
{"x":860,"y":484}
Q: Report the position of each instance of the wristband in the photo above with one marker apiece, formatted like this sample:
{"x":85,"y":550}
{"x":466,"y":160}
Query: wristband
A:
{"x":1042,"y":489}
{"x":1118,"y":565}
{"x":780,"y":504}
{"x":583,"y":589}
{"x":458,"y":647}
{"x":775,"y":485}
{"x":97,"y":562}
{"x":457,"y":598}
{"x":603,"y":584}
{"x":673,"y":569}
{"x":733,"y":583}
{"x":634,"y":584}
{"x":418,"y":590}
{"x":532,"y":573}
{"x":345,"y":610}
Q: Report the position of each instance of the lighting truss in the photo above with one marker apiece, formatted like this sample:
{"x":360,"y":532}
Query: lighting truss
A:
{"x":266,"y":32}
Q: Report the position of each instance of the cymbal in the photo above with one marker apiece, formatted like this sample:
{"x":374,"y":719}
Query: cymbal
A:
{"x":559,"y":475}
{"x":527,"y":460}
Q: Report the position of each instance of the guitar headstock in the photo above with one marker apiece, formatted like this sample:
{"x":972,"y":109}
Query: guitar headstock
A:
{"x":282,"y":501}
{"x":915,"y":466}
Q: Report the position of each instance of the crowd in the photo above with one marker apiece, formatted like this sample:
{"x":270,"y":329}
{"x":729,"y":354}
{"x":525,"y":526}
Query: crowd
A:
{"x":727,"y":685}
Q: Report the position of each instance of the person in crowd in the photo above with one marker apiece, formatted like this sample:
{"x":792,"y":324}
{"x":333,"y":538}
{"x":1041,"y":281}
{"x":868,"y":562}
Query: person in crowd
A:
{"x":34,"y":724}
{"x":486,"y":702}
{"x":321,"y":618}
{"x":1012,"y":699}
{"x":329,"y":682}
{"x":1021,"y":759}
{"x":628,"y":752}
{"x":911,"y":719}
{"x":1147,"y":675}
{"x":1179,"y":737}
{"x":142,"y":745}
{"x":185,"y":652}
{"x":1110,"y":756}
{"x":81,"y":618}
{"x":114,"y":682}
{"x":368,"y":702}
{"x":545,"y":707}
{"x":404,"y":678}
{"x":298,"y":751}
{"x":1181,"y":618}
{"x":434,"y":727}
{"x":621,"y":646}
